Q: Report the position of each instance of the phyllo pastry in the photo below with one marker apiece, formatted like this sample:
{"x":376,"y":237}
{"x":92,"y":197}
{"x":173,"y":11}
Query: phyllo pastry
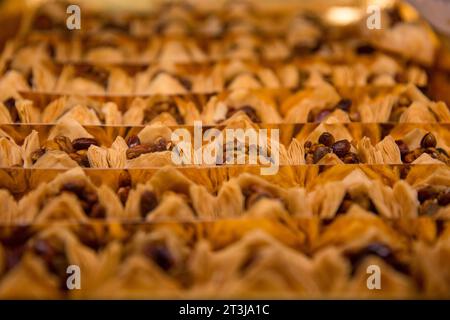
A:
{"x":328,"y":143}
{"x":14,"y":109}
{"x":362,"y":244}
{"x":152,"y":146}
{"x":150,"y":264}
{"x":231,"y":150}
{"x":95,"y":80}
{"x":241,"y":75}
{"x":68,"y":145}
{"x":170,"y":80}
{"x":256,"y":266}
{"x":44,"y":259}
{"x":255,"y":105}
{"x":411,"y":39}
{"x":170,"y":111}
{"x":71,"y":196}
{"x":404,"y":104}
{"x":83,"y":110}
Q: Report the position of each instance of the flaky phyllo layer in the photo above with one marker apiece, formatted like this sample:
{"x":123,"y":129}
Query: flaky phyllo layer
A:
{"x":298,"y":35}
{"x":168,"y":195}
{"x":322,"y":103}
{"x":48,"y":77}
{"x":181,"y":33}
{"x":68,"y":144}
{"x":254,"y":50}
{"x":93,"y":175}
{"x":258,"y":261}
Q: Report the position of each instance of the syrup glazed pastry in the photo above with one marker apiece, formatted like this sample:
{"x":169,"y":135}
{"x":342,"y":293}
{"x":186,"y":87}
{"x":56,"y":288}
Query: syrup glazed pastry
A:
{"x":231,"y":32}
{"x":119,"y":48}
{"x":88,"y":79}
{"x":169,"y":262}
{"x":324,"y":103}
{"x":303,"y":32}
{"x":403,"y":37}
{"x":181,"y":19}
{"x":107,"y":48}
{"x":87,"y":145}
{"x":45,"y":76}
{"x":379,"y":70}
{"x":168,"y":195}
{"x":68,"y":144}
{"x":81,"y":109}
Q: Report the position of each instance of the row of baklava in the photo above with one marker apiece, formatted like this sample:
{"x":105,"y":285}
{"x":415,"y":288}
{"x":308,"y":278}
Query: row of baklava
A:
{"x":227,"y":260}
{"x":68,"y":144}
{"x":122,"y":49}
{"x":324,"y":103}
{"x":46,"y":76}
{"x":19,"y":181}
{"x":179,"y":20}
{"x":169,"y":195}
{"x":347,"y":196}
{"x":117,"y":48}
{"x":407,"y":37}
